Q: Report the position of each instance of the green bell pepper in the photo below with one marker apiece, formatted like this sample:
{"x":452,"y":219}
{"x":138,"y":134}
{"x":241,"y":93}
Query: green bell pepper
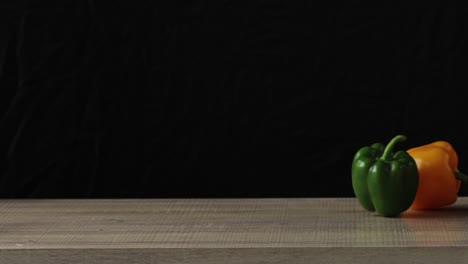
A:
{"x":382,"y":181}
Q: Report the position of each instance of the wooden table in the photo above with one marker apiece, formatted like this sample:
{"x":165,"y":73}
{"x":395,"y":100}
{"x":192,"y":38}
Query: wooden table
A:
{"x":299,"y":230}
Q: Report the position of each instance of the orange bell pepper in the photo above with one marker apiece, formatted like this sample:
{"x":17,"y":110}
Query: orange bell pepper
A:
{"x":439,"y":178}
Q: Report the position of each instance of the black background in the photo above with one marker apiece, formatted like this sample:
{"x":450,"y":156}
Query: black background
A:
{"x":220,"y":98}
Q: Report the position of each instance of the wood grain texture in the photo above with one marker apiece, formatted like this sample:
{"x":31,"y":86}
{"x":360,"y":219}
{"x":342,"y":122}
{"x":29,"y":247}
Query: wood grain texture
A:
{"x":297,"y":230}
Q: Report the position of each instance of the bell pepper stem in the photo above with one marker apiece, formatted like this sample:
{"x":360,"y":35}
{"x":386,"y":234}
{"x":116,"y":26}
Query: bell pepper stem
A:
{"x":462,"y":177}
{"x":387,"y":154}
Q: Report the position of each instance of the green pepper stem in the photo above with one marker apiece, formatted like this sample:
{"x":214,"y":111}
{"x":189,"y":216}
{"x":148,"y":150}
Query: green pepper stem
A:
{"x":462,"y":177}
{"x":389,"y":148}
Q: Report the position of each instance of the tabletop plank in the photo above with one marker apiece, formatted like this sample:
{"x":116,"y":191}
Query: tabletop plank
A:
{"x":224,"y":231}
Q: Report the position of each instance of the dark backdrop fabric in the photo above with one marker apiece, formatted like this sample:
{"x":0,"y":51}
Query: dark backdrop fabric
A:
{"x":220,"y":98}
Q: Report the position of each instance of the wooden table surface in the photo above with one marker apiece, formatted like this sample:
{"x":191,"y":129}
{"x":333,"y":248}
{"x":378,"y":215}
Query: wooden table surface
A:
{"x":283,"y":230}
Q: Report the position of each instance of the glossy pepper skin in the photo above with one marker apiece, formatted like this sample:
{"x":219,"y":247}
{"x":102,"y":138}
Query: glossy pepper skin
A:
{"x":382,"y":181}
{"x":439,"y":178}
